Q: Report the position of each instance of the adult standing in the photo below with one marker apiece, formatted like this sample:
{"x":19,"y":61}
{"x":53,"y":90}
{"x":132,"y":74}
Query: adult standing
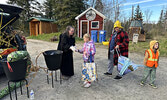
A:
{"x":66,"y":41}
{"x":119,"y":40}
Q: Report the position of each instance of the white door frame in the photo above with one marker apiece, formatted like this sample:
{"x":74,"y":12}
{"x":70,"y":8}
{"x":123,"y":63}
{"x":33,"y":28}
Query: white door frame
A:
{"x":78,"y":28}
{"x":81,"y":27}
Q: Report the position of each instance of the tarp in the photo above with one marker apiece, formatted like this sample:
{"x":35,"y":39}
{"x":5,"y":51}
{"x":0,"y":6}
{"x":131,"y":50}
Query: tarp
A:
{"x":125,"y":65}
{"x":10,"y":13}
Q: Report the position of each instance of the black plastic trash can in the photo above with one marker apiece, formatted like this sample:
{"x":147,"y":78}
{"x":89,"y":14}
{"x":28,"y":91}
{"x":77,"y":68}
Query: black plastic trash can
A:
{"x":18,"y":69}
{"x":15,"y":72}
{"x":53,"y":59}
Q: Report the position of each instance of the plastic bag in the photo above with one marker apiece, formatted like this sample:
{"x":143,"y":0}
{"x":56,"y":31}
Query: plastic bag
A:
{"x":125,"y":65}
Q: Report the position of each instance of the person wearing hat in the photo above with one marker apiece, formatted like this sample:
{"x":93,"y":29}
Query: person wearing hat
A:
{"x":151,"y":61}
{"x":119,"y":40}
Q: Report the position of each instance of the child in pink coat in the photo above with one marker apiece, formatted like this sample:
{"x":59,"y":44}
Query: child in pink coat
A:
{"x":88,"y":52}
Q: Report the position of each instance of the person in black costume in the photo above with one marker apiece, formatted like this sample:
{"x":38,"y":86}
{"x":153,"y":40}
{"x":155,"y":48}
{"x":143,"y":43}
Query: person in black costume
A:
{"x":66,"y":41}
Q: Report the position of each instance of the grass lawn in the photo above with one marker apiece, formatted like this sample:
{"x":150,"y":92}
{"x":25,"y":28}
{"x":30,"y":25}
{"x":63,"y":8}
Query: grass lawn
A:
{"x":142,"y":46}
{"x":47,"y":37}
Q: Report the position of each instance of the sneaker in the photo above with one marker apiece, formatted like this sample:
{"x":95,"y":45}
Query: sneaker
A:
{"x":85,"y":82}
{"x":87,"y":85}
{"x":142,"y":83}
{"x":107,"y":73}
{"x":153,"y":86}
{"x":117,"y":77}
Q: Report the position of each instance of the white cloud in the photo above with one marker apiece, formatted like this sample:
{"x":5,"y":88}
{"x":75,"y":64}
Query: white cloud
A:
{"x":126,"y":9}
{"x":163,"y":4}
{"x":132,"y":3}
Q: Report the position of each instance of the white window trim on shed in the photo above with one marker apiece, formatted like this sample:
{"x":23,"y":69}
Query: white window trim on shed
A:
{"x":94,"y":27}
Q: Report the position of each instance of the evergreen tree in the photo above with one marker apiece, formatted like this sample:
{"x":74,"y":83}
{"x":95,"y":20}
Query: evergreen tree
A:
{"x":66,"y":11}
{"x":48,"y":8}
{"x":30,"y":8}
{"x":165,"y":20}
{"x":161,"y":17}
{"x":138,"y":13}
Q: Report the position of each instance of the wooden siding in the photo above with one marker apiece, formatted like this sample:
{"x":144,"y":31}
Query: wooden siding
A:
{"x":98,"y":18}
{"x":41,"y":27}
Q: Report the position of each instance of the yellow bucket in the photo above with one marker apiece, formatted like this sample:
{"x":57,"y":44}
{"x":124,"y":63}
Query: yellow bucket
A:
{"x":105,"y":43}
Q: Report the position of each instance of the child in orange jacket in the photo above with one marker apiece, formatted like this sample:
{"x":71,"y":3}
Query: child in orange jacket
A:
{"x":151,"y":63}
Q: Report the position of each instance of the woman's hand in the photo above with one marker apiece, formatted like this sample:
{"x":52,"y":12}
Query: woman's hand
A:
{"x":117,"y":47}
{"x":72,"y":48}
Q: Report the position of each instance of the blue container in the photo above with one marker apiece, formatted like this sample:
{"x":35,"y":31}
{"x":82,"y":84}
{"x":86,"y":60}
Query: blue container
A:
{"x":94,"y":35}
{"x":102,"y":35}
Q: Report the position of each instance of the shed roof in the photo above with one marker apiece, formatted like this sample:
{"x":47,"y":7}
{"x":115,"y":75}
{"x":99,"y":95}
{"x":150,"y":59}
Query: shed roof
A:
{"x":136,"y":23}
{"x":97,"y":12}
{"x":41,"y":19}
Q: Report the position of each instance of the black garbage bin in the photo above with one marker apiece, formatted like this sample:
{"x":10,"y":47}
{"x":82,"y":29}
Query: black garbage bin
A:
{"x":53,"y":59}
{"x":15,"y":72}
{"x":18,"y":69}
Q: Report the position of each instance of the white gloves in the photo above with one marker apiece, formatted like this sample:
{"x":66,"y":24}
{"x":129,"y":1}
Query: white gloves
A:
{"x":73,"y":48}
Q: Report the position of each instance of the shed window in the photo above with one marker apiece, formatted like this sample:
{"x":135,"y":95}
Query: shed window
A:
{"x":95,"y":24}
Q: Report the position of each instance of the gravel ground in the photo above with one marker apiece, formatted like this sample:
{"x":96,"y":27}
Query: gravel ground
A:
{"x":107,"y":88}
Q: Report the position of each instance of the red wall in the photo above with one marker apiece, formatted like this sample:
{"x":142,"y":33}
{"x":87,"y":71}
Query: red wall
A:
{"x":98,"y":18}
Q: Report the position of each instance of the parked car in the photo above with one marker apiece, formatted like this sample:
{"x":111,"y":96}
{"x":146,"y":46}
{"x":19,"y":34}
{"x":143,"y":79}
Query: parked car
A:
{"x":9,"y":38}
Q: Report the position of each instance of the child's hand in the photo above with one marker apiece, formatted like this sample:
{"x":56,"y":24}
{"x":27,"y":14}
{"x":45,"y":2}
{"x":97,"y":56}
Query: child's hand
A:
{"x":76,"y":50}
{"x":84,"y":53}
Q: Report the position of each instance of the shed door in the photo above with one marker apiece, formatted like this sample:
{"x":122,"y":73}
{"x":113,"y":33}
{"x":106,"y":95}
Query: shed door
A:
{"x":37,"y":28}
{"x":84,"y":28}
{"x":33,"y":28}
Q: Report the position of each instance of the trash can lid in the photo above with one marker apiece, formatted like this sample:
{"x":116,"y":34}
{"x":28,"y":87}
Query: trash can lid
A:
{"x":93,"y":30}
{"x":53,"y":52}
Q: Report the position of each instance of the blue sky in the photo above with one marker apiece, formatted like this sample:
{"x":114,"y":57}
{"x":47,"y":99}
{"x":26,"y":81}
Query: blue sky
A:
{"x":154,"y":5}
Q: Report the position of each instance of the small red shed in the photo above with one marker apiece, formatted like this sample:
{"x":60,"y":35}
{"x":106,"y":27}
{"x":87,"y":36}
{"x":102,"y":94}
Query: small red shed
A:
{"x":89,"y":20}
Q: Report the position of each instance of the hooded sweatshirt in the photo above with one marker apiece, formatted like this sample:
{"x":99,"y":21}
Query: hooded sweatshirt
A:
{"x":89,"y":48}
{"x":152,"y":43}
